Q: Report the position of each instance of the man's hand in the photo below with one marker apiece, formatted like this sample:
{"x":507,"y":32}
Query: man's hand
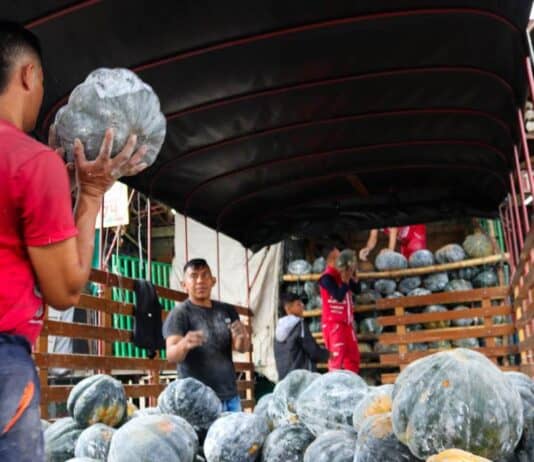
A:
{"x":364,"y":253}
{"x":97,"y":176}
{"x":193,"y":339}
{"x":240,"y":338}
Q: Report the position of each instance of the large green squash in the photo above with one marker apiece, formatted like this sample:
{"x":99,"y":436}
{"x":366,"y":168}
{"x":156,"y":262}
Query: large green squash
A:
{"x":406,"y":285}
{"x":378,"y":401}
{"x":487,"y":278}
{"x":377,"y":442}
{"x":478,"y":245}
{"x":450,"y":253}
{"x":436,"y":282}
{"x":287,"y":444}
{"x":191,"y":399}
{"x":462,"y":322}
{"x":147,"y":411}
{"x":111,"y":98}
{"x":332,"y":446}
{"x":60,"y":439}
{"x":385,"y":286}
{"x":390,"y":260}
{"x":83,"y":459}
{"x":235,"y":437}
{"x":421,"y":258}
{"x":282,"y":406}
{"x":456,"y":399}
{"x":94,"y":442}
{"x":328,"y":403}
{"x":154,"y":438}
{"x":262,"y":409}
{"x":99,"y":398}
{"x":457,"y":285}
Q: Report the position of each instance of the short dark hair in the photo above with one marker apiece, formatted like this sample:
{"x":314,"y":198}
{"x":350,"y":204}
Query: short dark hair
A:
{"x":196,"y":263}
{"x":326,"y":246}
{"x":285,"y":299}
{"x":15,"y":40}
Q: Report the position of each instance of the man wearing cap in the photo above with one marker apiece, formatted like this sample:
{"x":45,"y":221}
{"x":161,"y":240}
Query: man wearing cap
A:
{"x":336,"y":287}
{"x":294,"y":345}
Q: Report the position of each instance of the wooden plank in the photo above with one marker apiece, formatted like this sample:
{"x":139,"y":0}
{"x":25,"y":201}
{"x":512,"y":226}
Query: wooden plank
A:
{"x":528,"y":284}
{"x":450,"y":333}
{"x":243,"y":385}
{"x":421,"y":318}
{"x":357,"y":309}
{"x":388,"y":378}
{"x":527,"y":369}
{"x":75,"y":361}
{"x":527,"y":344}
{"x":525,"y":254}
{"x":90,"y":302}
{"x":248,"y":403}
{"x":361,"y":337}
{"x":526,"y":318}
{"x":396,"y":359}
{"x":409,"y":272}
{"x":86,"y":331}
{"x":445,"y":298}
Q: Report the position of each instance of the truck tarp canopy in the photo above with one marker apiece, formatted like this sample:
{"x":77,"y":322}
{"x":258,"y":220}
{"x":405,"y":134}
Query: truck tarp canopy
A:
{"x":302,"y":117}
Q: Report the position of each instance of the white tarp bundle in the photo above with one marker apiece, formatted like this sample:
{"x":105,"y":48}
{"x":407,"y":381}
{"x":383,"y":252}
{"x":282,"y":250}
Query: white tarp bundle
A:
{"x":264,"y":275}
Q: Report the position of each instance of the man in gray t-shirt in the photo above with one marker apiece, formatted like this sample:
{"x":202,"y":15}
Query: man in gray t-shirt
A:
{"x":201,"y":334}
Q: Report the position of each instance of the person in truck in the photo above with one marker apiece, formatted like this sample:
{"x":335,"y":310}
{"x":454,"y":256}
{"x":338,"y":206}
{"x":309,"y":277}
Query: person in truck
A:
{"x":294,"y":345}
{"x":201,"y":333}
{"x":45,"y":251}
{"x":337,"y":320}
{"x":410,"y":238}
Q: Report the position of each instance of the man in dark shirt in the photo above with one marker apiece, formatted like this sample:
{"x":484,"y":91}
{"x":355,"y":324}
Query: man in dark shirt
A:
{"x":294,"y":345}
{"x":201,"y":333}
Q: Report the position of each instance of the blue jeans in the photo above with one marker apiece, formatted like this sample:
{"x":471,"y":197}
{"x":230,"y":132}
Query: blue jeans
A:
{"x":231,"y":405}
{"x":21,"y":437}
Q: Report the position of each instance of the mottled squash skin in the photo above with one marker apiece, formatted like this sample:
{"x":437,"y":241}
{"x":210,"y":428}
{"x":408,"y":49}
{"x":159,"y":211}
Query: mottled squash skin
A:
{"x":191,"y":399}
{"x":329,"y":402}
{"x":436,"y":324}
{"x":377,"y":442}
{"x":436,"y":282}
{"x":456,"y":399}
{"x":115,"y":98}
{"x":385,"y":286}
{"x":94,"y":442}
{"x":282,"y":408}
{"x":478,"y":245}
{"x":378,"y":401}
{"x":406,"y":285}
{"x":235,"y":437}
{"x":154,"y":438}
{"x":287,"y":444}
{"x":262,"y":409}
{"x":390,"y":260}
{"x":99,"y":398}
{"x":421,"y":258}
{"x":60,"y":439}
{"x":332,"y":446}
{"x":456,"y":455}
{"x":450,"y":253}
{"x":83,"y":459}
{"x":147,"y":411}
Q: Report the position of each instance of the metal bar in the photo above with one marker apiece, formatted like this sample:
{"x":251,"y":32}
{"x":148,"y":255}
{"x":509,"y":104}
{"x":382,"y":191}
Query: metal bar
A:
{"x":513,"y":228}
{"x":521,"y":190}
{"x":218,"y":267}
{"x":504,"y":226}
{"x":186,"y":229}
{"x":517,"y":223}
{"x":148,"y":241}
{"x":247,"y":269}
{"x":524,"y":141}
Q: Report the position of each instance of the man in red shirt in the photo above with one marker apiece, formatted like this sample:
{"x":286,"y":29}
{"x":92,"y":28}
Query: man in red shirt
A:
{"x":411,"y":238}
{"x":337,"y":317}
{"x":45,"y":252}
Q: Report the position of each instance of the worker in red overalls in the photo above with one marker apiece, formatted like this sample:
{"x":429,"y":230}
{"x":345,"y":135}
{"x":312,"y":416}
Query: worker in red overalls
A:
{"x":337,"y":287}
{"x":411,"y":238}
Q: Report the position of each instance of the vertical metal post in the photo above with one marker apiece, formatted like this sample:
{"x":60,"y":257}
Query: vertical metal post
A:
{"x":517,"y":223}
{"x":148,"y":240}
{"x":218,"y":267}
{"x":101,"y":237}
{"x":521,"y":191}
{"x":525,"y":149}
{"x":504,"y":226}
{"x":186,"y":230}
{"x":247,"y":269}
{"x":512,"y":228}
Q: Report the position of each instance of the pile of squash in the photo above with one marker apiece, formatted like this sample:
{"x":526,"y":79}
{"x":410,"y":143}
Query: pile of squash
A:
{"x":453,"y":406}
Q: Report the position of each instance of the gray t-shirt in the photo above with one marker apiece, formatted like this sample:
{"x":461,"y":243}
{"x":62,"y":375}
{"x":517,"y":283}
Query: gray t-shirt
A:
{"x":211,"y":363}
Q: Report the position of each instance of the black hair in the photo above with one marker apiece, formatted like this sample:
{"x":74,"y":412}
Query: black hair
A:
{"x":15,"y":40}
{"x":196,"y":263}
{"x":326,"y":246}
{"x":285,"y":299}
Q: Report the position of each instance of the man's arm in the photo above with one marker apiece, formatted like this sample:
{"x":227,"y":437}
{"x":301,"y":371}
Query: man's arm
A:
{"x":328,"y":283}
{"x":371,"y":244}
{"x":240,"y":337}
{"x":312,"y":349}
{"x":178,"y":347}
{"x":63,"y":268}
{"x":392,"y":238}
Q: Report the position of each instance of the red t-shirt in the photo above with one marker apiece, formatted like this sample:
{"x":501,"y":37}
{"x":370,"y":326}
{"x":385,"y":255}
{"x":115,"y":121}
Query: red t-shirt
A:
{"x":35,"y":210}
